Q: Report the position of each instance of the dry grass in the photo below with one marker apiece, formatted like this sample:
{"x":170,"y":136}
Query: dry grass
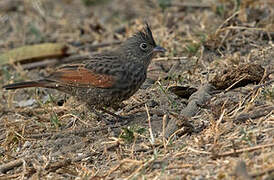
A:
{"x":45,"y":134}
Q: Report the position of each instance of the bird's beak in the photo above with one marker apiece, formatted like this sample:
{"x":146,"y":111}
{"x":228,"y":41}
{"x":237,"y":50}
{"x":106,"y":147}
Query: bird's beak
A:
{"x":158,"y":49}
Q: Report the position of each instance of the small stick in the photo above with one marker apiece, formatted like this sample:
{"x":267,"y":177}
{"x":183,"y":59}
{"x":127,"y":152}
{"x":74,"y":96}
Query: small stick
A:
{"x":169,"y":58}
{"x":11,"y":165}
{"x":233,"y":152}
{"x":264,"y":84}
{"x":197,"y":151}
{"x":74,"y":132}
{"x":241,"y":28}
{"x":58,"y":165}
{"x":228,"y":19}
{"x":134,"y":106}
{"x":192,"y":5}
{"x":245,"y":150}
{"x":152,"y":140}
{"x":164,"y":123}
{"x":39,"y":136}
{"x":254,"y":90}
{"x":227,"y":89}
{"x":263,"y":172}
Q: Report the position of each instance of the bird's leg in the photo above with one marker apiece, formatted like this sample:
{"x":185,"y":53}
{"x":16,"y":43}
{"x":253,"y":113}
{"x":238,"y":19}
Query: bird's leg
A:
{"x":93,"y":109}
{"x":123,"y":120}
{"x":100,"y":115}
{"x":113,"y":114}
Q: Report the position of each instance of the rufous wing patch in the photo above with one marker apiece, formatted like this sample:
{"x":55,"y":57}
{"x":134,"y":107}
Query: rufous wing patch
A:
{"x":82,"y":77}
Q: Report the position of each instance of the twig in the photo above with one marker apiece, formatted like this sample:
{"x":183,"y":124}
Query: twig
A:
{"x":52,"y":167}
{"x":64,"y":163}
{"x":89,"y":154}
{"x":259,"y":112}
{"x":170,"y":58}
{"x":10,"y":165}
{"x":232,"y":85}
{"x":58,"y":165}
{"x":200,"y":59}
{"x":228,"y":19}
{"x":152,"y":140}
{"x":223,"y":40}
{"x":191,"y":5}
{"x":114,"y":168}
{"x":241,"y":28}
{"x":143,"y":165}
{"x":181,"y":166}
{"x":171,"y":136}
{"x":233,"y":152}
{"x":134,"y":106}
{"x":220,"y":120}
{"x":244,"y":150}
{"x":255,"y":89}
{"x":264,"y":84}
{"x":199,"y":152}
{"x":39,"y":136}
{"x":217,"y":132}
{"x":164,"y":123}
{"x":263,"y":172}
{"x":74,"y":132}
{"x":174,"y":68}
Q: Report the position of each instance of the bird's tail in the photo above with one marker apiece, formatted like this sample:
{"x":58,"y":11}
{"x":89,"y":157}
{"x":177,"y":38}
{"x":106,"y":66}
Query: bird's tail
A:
{"x":28,"y":84}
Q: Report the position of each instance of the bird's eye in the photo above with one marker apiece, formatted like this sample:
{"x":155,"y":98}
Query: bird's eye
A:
{"x":143,"y":46}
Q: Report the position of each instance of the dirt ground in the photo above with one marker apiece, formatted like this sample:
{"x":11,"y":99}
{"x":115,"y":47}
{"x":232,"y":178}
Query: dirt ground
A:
{"x":45,"y":134}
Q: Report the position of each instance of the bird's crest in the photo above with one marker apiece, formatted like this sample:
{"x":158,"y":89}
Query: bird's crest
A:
{"x":146,"y":35}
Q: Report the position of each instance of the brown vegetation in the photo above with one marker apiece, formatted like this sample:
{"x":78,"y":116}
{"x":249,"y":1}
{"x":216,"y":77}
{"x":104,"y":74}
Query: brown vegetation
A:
{"x":205,"y":111}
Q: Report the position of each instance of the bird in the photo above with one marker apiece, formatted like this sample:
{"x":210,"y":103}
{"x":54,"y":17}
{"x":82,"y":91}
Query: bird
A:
{"x":105,"y":79}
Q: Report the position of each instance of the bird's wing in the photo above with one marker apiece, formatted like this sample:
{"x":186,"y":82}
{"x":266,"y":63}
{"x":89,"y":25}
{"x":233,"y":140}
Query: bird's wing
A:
{"x":79,"y":76}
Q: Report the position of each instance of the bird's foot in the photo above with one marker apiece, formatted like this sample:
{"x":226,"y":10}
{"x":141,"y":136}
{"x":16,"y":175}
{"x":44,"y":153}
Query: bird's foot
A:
{"x":123,"y":120}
